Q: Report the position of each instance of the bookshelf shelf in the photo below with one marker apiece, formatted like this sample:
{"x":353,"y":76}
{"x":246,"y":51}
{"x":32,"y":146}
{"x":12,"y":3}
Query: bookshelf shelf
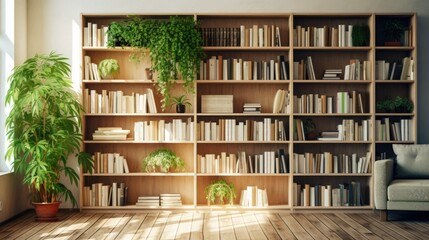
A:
{"x":280,"y":54}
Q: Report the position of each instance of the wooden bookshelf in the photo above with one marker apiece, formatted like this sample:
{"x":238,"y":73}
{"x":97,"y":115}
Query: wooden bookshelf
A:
{"x":279,"y":186}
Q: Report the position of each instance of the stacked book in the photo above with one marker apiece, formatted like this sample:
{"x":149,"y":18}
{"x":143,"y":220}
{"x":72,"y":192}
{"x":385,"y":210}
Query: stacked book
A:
{"x":328,"y":136}
{"x":252,"y":108}
{"x":332,"y":74}
{"x":170,"y":200}
{"x":110,"y":134}
{"x":148,"y":201}
{"x":253,"y":196}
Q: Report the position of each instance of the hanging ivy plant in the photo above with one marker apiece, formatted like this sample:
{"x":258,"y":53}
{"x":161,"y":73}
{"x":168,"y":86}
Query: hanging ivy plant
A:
{"x":174,"y":46}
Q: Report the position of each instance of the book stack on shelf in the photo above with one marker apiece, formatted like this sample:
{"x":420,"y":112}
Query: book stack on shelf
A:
{"x":220,"y":68}
{"x":90,"y":69}
{"x":395,"y":131}
{"x":349,"y":130}
{"x":329,"y":163}
{"x":242,"y":36}
{"x":170,"y":200}
{"x":346,"y":194}
{"x":253,"y":196}
{"x":252,"y":108}
{"x":162,"y":131}
{"x":148,"y":201}
{"x":95,"y":35}
{"x":329,"y":136}
{"x":346,"y":102}
{"x":357,"y":70}
{"x":248,"y":130}
{"x":110,"y":134}
{"x":325,"y":36}
{"x":268,"y":162}
{"x":103,"y":195}
{"x":109,"y":163}
{"x":304,"y":70}
{"x":332,"y":74}
{"x":395,"y":70}
{"x":118,"y":102}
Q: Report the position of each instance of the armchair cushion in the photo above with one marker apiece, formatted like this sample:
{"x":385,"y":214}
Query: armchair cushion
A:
{"x":408,"y":190}
{"x":412,"y":161}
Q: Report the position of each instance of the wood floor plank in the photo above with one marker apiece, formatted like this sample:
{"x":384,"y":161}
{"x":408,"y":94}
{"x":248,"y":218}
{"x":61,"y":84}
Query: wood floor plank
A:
{"x":375,"y":227}
{"x":240,"y":229}
{"x":333,"y":226}
{"x":25,"y":216}
{"x":309,"y":227}
{"x":345,"y":226}
{"x":53,"y":228}
{"x":268,"y":229}
{"x":68,"y":228}
{"x":146,"y":226}
{"x":31,"y":228}
{"x":359,"y":228}
{"x":158,"y":226}
{"x":131,"y":227}
{"x":282,"y":229}
{"x":12,"y":226}
{"x":84,"y":226}
{"x":253,"y":227}
{"x":97,"y":225}
{"x":327,"y":232}
{"x":108,"y":226}
{"x":121,"y":224}
{"x":197,"y":226}
{"x":171,"y":226}
{"x":211,"y":225}
{"x":399,"y":229}
{"x":294,"y":226}
{"x":185,"y":225}
{"x":226,"y":227}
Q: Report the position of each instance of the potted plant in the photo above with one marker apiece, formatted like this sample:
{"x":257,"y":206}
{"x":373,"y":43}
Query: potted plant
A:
{"x":181,"y":103}
{"x":396,"y":105}
{"x":309,"y":129}
{"x":163,"y":159}
{"x":108,"y":68}
{"x":221,"y":190}
{"x":394,"y":31}
{"x":175,"y":49}
{"x":360,"y":35}
{"x":43,"y":128}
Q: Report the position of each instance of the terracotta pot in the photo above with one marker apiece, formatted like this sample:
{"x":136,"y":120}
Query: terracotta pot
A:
{"x":46,"y":211}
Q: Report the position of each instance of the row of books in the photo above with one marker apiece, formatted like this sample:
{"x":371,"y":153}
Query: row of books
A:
{"x":90,"y":69}
{"x":343,"y":102}
{"x":109,"y":163}
{"x":349,"y":130}
{"x":110,"y":134}
{"x":345,"y":194}
{"x":163,"y":200}
{"x":395,"y":70}
{"x":95,"y":35}
{"x":268,"y":162}
{"x":162,"y":131}
{"x":253,"y":196}
{"x":103,"y":195}
{"x":252,"y":36}
{"x":325,"y":36}
{"x":393,"y":131}
{"x":118,"y":102}
{"x":248,"y":130}
{"x":357,"y":70}
{"x":327,"y":162}
{"x":220,"y":68}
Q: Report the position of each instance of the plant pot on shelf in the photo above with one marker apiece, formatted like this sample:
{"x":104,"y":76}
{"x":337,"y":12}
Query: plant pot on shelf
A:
{"x":392,"y":44}
{"x":180,"y":108}
{"x":46,"y":211}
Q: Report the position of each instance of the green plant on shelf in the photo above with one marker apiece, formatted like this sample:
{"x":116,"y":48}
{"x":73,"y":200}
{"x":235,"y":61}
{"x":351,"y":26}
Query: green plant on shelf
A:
{"x":396,"y":105}
{"x":221,"y":190}
{"x":108,"y":68}
{"x":360,"y":35}
{"x":163,"y":159}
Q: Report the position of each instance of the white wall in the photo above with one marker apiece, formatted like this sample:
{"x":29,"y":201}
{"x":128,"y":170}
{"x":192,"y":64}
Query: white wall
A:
{"x":55,"y":25}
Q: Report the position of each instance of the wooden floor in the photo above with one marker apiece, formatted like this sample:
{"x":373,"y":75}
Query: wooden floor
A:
{"x":217,"y":225}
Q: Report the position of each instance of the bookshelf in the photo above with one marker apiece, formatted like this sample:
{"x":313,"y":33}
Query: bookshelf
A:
{"x":258,"y":134}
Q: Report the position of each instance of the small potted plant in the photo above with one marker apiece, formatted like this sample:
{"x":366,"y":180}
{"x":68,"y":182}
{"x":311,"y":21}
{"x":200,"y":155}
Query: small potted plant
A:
{"x":108,"y":68}
{"x":181,"y":103}
{"x":163,"y":159}
{"x":44,"y":129}
{"x":221,"y":190}
{"x":309,"y":129}
{"x":394,"y":31}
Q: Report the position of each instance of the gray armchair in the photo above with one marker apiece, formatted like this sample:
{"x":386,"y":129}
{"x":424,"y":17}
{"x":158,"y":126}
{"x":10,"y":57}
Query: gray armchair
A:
{"x":402,"y":183}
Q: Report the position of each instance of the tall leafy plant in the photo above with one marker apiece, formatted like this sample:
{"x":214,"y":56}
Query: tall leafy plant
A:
{"x":43,"y":127}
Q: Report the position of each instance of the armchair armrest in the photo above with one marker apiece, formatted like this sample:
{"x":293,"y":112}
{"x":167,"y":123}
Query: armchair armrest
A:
{"x":383,"y":175}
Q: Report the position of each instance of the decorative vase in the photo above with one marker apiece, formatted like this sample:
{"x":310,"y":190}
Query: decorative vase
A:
{"x":180,"y":108}
{"x":46,"y":211}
